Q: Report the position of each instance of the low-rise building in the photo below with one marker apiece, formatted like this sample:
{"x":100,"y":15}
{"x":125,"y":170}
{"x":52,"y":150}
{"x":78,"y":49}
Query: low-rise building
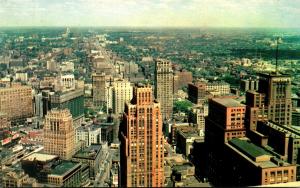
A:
{"x":15,"y":177}
{"x":244,"y":158}
{"x":185,"y":139}
{"x":91,"y":157}
{"x":90,"y":135}
{"x":65,"y":174}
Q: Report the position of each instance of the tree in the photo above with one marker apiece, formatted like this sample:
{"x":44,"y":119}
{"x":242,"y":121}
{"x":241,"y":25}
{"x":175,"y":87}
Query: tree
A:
{"x":182,"y":106}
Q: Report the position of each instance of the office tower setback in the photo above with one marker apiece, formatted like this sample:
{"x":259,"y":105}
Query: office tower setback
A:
{"x":272,"y":101}
{"x":16,"y":102}
{"x":164,"y":87}
{"x":142,"y":147}
{"x":59,"y":134}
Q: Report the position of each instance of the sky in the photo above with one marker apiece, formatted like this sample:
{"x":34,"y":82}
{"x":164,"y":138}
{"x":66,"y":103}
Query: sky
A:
{"x":151,"y":13}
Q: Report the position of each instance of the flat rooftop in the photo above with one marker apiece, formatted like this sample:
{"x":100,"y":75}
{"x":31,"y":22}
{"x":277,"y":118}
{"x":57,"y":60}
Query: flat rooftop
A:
{"x":64,"y":167}
{"x":248,"y":148}
{"x":40,"y":157}
{"x":89,"y":153}
{"x":228,"y":102}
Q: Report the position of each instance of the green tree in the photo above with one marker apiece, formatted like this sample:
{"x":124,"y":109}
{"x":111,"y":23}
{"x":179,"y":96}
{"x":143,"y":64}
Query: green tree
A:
{"x":182,"y":106}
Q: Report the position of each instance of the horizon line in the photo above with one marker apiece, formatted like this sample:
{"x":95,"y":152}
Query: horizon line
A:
{"x":158,"y":27}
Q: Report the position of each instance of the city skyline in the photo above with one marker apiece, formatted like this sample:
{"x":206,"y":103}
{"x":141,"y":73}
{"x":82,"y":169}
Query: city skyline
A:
{"x":154,"y":13}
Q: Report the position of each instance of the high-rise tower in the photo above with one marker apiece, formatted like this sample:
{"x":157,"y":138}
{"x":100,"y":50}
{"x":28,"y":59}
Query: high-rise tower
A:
{"x":59,"y":134}
{"x":99,"y":83}
{"x":121,"y":93}
{"x":142,"y":159}
{"x":164,"y":86}
{"x":272,"y":101}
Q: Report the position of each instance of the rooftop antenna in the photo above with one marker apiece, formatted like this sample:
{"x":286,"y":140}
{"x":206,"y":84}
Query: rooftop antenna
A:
{"x":277,"y":42}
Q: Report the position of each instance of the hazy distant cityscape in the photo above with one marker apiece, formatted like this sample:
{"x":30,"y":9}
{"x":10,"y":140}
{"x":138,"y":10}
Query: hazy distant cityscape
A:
{"x":158,"y":105}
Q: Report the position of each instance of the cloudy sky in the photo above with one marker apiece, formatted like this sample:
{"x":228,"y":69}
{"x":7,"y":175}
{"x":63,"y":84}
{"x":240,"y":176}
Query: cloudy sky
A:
{"x":151,"y":13}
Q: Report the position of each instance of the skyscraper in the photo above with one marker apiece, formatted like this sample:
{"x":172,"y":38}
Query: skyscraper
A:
{"x":99,"y":88}
{"x":225,"y":121}
{"x":122,"y":92}
{"x":142,"y":147}
{"x":272,"y":101}
{"x":59,"y":133}
{"x":164,"y":86}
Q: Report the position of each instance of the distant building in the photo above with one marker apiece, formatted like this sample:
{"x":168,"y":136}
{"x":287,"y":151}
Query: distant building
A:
{"x":59,"y":134}
{"x":99,"y":82}
{"x":121,"y":93}
{"x":4,"y":122}
{"x":222,"y":88}
{"x":51,"y":65}
{"x":38,"y":105}
{"x":197,"y":92}
{"x":65,"y":83}
{"x":67,"y":67}
{"x":21,"y":76}
{"x":184,"y":77}
{"x":249,"y":84}
{"x":16,"y":102}
{"x":142,"y":160}
{"x":164,"y":87}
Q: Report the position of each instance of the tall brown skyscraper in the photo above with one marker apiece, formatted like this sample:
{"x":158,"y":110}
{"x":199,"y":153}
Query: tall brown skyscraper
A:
{"x":272,"y":101}
{"x":225,"y":121}
{"x":164,"y":86}
{"x":59,"y":134}
{"x":142,"y":159}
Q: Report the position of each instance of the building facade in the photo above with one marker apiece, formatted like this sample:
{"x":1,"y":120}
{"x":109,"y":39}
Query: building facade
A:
{"x":225,"y":121}
{"x":122,"y":93}
{"x":16,"y":102}
{"x":4,"y":122}
{"x":142,"y":147}
{"x":272,"y":101}
{"x":222,"y":88}
{"x":196,"y":92}
{"x":99,"y":88}
{"x":59,"y":134}
{"x":90,"y":135}
{"x":72,"y":100}
{"x":164,"y":87}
